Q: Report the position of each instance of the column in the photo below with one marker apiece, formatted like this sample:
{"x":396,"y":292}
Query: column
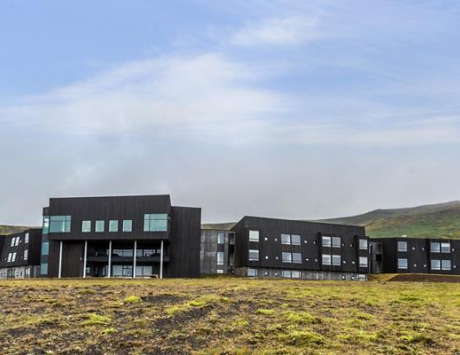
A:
{"x":84,"y":258}
{"x":60,"y":260}
{"x":135,"y":259}
{"x":161,"y":260}
{"x":109,"y":271}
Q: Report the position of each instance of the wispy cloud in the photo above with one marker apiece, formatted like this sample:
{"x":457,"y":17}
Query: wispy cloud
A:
{"x":282,"y":31}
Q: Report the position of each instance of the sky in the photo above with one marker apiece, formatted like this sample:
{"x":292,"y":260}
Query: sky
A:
{"x":293,"y":109}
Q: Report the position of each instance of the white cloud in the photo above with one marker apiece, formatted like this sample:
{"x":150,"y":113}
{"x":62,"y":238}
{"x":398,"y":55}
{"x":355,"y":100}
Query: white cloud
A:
{"x":279,"y":31}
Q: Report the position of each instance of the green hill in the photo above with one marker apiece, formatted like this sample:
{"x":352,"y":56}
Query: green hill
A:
{"x":5,"y":230}
{"x":440,"y":220}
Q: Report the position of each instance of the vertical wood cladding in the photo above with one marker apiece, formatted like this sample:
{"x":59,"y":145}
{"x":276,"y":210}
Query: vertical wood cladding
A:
{"x":184,"y":243}
{"x":109,"y":208}
{"x":271,"y":249}
{"x":181,"y":241}
{"x":33,"y":247}
{"x":419,"y":255}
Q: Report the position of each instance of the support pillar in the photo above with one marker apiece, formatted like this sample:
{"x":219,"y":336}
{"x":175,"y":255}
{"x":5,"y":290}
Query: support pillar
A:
{"x":161,"y":260}
{"x":109,"y":271}
{"x":84,"y":259}
{"x":60,"y":260}
{"x":135,"y":259}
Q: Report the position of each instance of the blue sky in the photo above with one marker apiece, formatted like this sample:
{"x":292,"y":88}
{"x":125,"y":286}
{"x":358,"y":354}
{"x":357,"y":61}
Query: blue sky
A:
{"x":295,"y":109}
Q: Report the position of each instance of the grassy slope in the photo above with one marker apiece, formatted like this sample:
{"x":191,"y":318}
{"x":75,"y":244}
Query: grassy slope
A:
{"x":5,"y":230}
{"x":228,"y":316}
{"x":439,"y":220}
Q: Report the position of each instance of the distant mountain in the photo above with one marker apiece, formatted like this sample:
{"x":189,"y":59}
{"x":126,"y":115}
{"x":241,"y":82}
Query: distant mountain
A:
{"x":440,"y":220}
{"x":5,"y":230}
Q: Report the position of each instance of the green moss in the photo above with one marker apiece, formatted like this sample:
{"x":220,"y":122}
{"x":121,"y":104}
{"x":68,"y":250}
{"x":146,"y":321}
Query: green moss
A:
{"x":133,"y":299}
{"x":266,"y":312}
{"x":95,"y":319}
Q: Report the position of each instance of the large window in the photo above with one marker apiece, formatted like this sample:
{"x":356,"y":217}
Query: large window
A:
{"x":254,"y":236}
{"x":127,"y":225}
{"x":336,"y":242}
{"x":435,"y":247}
{"x":220,"y":258}
{"x":26,"y":238}
{"x":253,"y":255}
{"x":252,"y":272}
{"x":122,"y":271}
{"x":286,"y":257}
{"x":44,"y":268}
{"x":86,"y":226}
{"x":12,"y":257}
{"x":446,"y":265}
{"x":113,"y":225}
{"x":326,"y":259}
{"x":363,"y":261}
{"x":363,"y":244}
{"x":26,"y":254}
{"x":402,"y":263}
{"x":60,"y":224}
{"x":157,"y":222}
{"x":286,"y":274}
{"x":297,"y":258}
{"x":327,"y":241}
{"x":220,"y":238}
{"x":45,"y":248}
{"x":336,"y":260}
{"x":13,"y":241}
{"x":100,"y":226}
{"x":435,"y":264}
{"x":445,"y":247}
{"x":124,"y":253}
{"x":402,"y":246}
{"x":143,"y":271}
{"x":290,"y":239}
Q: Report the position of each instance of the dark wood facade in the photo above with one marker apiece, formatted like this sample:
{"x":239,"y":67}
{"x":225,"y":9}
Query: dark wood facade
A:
{"x":25,"y":247}
{"x":311,"y":246}
{"x":180,"y":242}
{"x":416,"y":255}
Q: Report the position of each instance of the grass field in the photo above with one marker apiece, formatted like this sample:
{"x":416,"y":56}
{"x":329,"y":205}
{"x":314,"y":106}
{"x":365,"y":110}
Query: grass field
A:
{"x":228,"y":316}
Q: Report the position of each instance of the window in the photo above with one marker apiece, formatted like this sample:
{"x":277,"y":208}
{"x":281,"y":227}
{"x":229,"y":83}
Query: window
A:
{"x":435,"y":264}
{"x":254,"y":236}
{"x":60,"y":224}
{"x":220,"y":238}
{"x":127,"y":225}
{"x":363,"y":244}
{"x":18,"y":239}
{"x":336,"y":259}
{"x":336,"y":242}
{"x":286,"y":274}
{"x":220,"y":258}
{"x":327,"y":259}
{"x":363,"y":262}
{"x":9,"y":257}
{"x":13,"y":241}
{"x":297,"y":258}
{"x":44,"y":269}
{"x":445,"y":247}
{"x":295,"y":239}
{"x":113,"y":225}
{"x":326,"y":241}
{"x":45,"y":248}
{"x":26,"y":254}
{"x":286,"y":257}
{"x":100,"y":226}
{"x":13,"y":257}
{"x":296,"y":274}
{"x":27,"y":273}
{"x":143,"y":271}
{"x":124,"y":253}
{"x":402,"y":246}
{"x":435,"y":247}
{"x":252,"y":272}
{"x":402,"y":263}
{"x":446,"y":264}
{"x":253,"y":255}
{"x":220,"y":271}
{"x":156,"y":222}
{"x":86,"y":226}
{"x":26,"y":238}
{"x":286,"y":239}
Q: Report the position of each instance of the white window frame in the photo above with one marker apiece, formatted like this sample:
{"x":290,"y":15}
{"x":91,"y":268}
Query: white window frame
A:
{"x":326,"y":259}
{"x":253,"y":251}
{"x":445,"y":248}
{"x":326,"y":241}
{"x":363,"y":261}
{"x":400,"y":266}
{"x":286,"y":257}
{"x":401,"y":243}
{"x":363,"y":244}
{"x":254,"y":236}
